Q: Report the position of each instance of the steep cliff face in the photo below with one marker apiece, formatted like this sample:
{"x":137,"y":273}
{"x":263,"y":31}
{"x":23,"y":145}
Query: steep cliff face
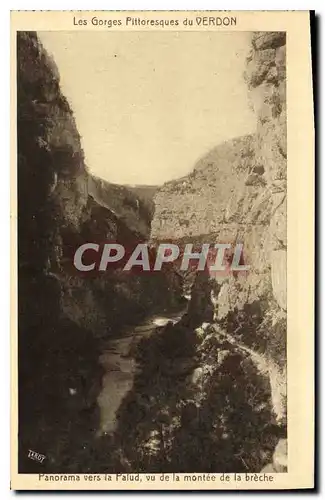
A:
{"x":57,"y":358}
{"x":266,"y":78}
{"x":62,"y":315}
{"x":217,"y":377}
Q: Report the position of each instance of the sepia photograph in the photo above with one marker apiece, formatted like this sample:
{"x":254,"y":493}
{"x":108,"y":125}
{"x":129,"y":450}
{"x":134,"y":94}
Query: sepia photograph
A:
{"x":152,"y":250}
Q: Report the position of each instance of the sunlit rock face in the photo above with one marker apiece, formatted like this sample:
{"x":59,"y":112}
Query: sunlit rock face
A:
{"x":267,"y":89}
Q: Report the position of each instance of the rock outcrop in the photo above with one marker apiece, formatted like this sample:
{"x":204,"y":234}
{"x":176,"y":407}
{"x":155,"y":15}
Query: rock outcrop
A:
{"x":266,"y":78}
{"x":267,"y":90}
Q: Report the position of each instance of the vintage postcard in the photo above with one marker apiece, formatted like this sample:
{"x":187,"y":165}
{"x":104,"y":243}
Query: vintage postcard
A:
{"x":162,"y":216}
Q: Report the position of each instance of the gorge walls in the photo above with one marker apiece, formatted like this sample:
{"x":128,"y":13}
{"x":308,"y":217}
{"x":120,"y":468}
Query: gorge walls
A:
{"x":215,"y":379}
{"x":237,"y":193}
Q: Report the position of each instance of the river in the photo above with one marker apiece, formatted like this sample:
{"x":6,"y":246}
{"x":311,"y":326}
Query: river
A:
{"x":120,"y":367}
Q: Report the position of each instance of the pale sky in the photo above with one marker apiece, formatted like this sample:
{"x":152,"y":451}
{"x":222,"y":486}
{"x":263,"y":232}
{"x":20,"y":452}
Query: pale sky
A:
{"x":148,"y":105}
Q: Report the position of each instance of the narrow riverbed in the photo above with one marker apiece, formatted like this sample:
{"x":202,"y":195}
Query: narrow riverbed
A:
{"x":120,"y":368}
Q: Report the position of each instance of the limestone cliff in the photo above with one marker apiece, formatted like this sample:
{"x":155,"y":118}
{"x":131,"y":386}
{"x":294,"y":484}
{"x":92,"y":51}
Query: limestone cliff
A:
{"x":266,"y":78}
